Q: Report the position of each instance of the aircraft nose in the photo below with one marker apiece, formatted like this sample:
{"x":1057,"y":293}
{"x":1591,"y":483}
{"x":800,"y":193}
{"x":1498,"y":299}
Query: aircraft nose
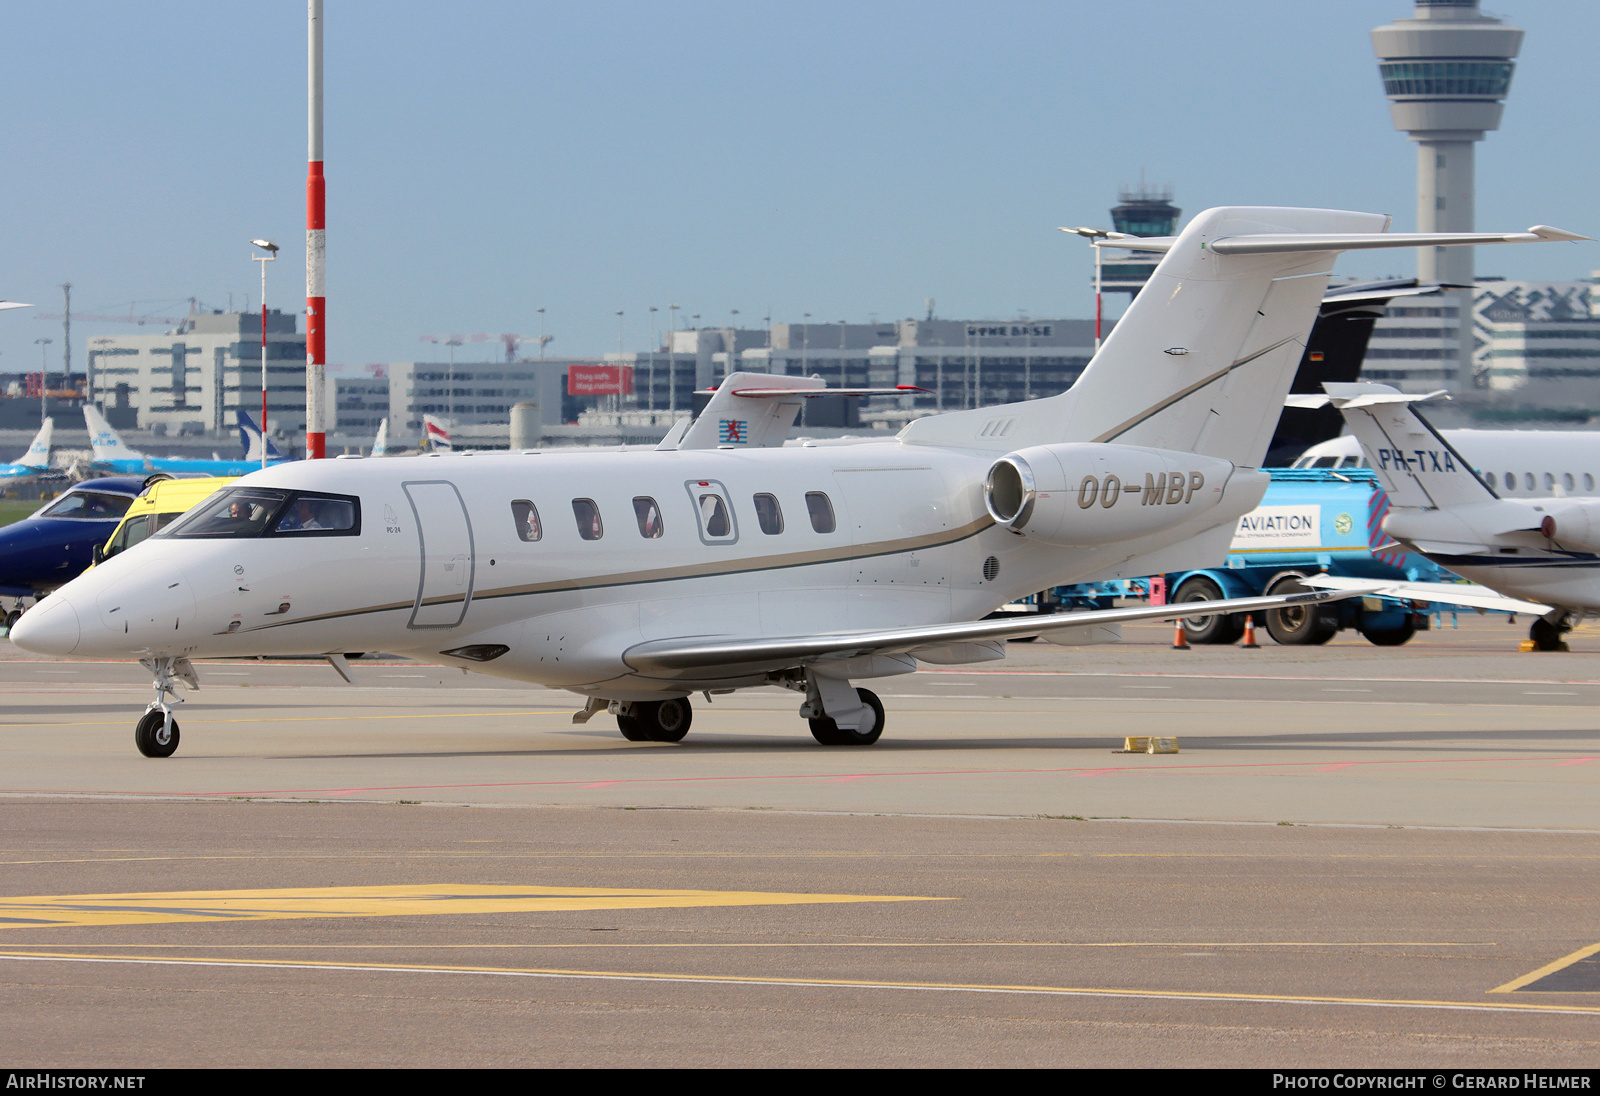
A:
{"x":49,"y":628}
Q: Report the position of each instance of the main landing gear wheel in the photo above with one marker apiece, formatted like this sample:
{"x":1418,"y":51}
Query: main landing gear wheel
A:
{"x":1392,"y":637}
{"x":656,"y":720}
{"x":1546,"y":636}
{"x":1215,"y":627}
{"x":155,"y":736}
{"x":829,"y":733}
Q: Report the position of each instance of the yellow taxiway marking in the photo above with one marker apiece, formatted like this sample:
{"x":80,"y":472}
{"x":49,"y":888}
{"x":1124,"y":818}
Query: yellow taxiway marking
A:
{"x":168,"y":907}
{"x":1548,"y":968}
{"x":809,"y":983}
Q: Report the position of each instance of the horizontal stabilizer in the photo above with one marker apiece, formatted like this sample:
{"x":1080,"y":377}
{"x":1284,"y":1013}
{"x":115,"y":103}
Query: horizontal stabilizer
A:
{"x":1440,"y":593}
{"x":816,"y":393}
{"x":698,"y":653}
{"x":1339,"y":397}
{"x":1271,"y":244}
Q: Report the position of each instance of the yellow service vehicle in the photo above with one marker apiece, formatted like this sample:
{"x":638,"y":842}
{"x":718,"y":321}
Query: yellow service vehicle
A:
{"x":157,"y":506}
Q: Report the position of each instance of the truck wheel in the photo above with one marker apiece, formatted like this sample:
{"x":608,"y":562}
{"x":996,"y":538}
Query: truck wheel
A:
{"x":1299,"y":625}
{"x":1391,"y":637}
{"x":1214,"y":628}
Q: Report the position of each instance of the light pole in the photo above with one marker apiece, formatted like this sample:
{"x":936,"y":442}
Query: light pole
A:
{"x":271,"y":255}
{"x":650,"y":370}
{"x":542,"y":337}
{"x":843,"y":383}
{"x":672,"y":360}
{"x":805,"y":346}
{"x":44,"y":376}
{"x":450,"y":382}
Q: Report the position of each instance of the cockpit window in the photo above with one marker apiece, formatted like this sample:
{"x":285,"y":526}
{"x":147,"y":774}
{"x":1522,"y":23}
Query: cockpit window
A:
{"x":234,"y":512}
{"x":89,"y":505}
{"x":266,"y":511}
{"x":307,"y":515}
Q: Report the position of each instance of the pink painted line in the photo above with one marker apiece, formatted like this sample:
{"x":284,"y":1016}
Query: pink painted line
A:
{"x":1335,"y":768}
{"x":1141,"y":674}
{"x":1577,"y":761}
{"x":824,"y":778}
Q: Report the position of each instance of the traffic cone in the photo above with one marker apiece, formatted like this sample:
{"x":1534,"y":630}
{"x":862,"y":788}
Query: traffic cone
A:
{"x":1180,"y":642}
{"x":1249,"y":642}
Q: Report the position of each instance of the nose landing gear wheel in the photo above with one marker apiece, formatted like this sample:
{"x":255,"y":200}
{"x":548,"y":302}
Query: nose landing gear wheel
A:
{"x":154,"y":736}
{"x":829,"y":733}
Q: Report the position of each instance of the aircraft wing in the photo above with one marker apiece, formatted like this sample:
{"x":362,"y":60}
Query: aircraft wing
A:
{"x":1443,"y":593}
{"x":702,"y":652}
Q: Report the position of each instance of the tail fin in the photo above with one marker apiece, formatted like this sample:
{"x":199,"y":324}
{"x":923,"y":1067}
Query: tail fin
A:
{"x":751,"y":422}
{"x":38,"y":454}
{"x":1412,"y":460}
{"x":1204,"y":356}
{"x":438,"y":438}
{"x":104,"y":442}
{"x":252,"y":439}
{"x":380,"y":444}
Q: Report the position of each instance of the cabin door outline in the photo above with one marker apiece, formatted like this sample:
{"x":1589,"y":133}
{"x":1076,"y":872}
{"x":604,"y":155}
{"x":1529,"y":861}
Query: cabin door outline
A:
{"x":447,"y":568}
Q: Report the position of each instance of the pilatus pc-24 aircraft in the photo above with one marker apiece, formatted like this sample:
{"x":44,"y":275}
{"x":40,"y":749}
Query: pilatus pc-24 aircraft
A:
{"x":724,"y":560}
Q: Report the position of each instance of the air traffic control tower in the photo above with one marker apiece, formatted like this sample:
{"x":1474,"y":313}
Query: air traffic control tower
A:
{"x":1446,"y":71}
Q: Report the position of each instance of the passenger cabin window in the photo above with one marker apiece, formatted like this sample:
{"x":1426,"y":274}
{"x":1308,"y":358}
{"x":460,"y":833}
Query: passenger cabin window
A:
{"x":1549,"y":481}
{"x":1528,"y":481}
{"x":821,"y":511}
{"x":714,"y":515}
{"x":1511,"y":481}
{"x":649,"y":517}
{"x":769,"y":514}
{"x":1588,"y":483}
{"x":1567,"y":482}
{"x":89,"y":505}
{"x":587,"y":515}
{"x":525,"y":515}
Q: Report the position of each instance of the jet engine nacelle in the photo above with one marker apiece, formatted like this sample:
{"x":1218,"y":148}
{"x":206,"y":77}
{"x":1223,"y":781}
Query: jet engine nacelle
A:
{"x":1571,"y":523}
{"x":1083,"y":494}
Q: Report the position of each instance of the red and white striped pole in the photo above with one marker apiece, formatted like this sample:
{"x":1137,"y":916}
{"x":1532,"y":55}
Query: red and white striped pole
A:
{"x":316,"y":246}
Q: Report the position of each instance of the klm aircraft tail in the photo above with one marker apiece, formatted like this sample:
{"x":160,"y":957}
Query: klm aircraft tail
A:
{"x":250,"y":437}
{"x":38,"y":454}
{"x":1204,"y":356}
{"x":1413,"y":461}
{"x":380,"y":444}
{"x":104,"y":442}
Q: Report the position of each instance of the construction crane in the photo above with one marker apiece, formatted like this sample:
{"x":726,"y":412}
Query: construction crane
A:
{"x":511,"y":341}
{"x":88,"y":317}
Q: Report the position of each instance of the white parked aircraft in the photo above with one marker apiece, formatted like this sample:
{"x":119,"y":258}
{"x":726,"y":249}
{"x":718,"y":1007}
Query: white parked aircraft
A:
{"x":1530,"y":532}
{"x":725,"y":560}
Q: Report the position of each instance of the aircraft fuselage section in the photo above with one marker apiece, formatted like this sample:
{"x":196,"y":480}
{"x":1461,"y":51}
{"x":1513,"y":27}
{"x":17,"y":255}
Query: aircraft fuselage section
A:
{"x":568,"y":558}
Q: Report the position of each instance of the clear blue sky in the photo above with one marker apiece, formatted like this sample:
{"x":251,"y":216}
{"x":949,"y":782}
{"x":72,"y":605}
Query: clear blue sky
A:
{"x":489,"y":158}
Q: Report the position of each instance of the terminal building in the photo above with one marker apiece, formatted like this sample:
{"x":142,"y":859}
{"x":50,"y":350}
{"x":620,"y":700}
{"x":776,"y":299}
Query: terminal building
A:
{"x":192,"y":379}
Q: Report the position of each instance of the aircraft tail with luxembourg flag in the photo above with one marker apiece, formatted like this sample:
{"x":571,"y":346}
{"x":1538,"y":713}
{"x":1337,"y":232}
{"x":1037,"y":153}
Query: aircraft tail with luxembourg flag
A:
{"x":1204,"y":356}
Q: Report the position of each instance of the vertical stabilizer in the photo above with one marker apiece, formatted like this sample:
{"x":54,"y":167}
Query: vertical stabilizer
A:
{"x":437,"y":437}
{"x":252,"y":440}
{"x":751,"y":421}
{"x":380,"y":444}
{"x":38,"y":454}
{"x":104,"y":442}
{"x":1412,"y":460}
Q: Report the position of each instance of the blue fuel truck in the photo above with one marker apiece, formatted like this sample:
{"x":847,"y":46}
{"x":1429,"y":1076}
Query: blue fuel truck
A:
{"x":1311,"y":521}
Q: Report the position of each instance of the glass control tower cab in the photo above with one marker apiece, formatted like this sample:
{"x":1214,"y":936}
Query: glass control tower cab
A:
{"x":1446,"y":71}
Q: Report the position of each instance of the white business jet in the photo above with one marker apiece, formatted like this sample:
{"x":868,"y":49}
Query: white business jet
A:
{"x":726,"y":560}
{"x":1451,"y":503}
